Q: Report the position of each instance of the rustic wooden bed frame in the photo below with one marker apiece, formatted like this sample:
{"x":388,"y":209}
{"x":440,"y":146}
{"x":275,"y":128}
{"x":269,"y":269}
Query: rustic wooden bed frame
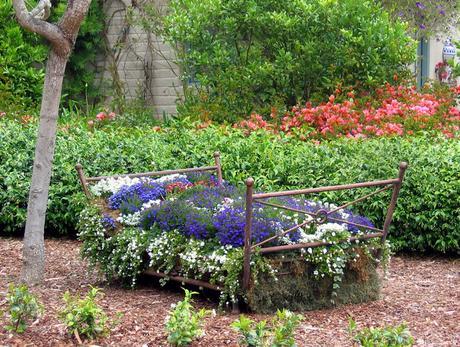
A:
{"x":320,"y":217}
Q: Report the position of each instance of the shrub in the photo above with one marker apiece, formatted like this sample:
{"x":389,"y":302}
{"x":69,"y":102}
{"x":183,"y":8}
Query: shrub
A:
{"x":23,"y":306}
{"x":84,"y":318}
{"x":280,"y":333}
{"x":183,"y":323}
{"x":245,"y":56}
{"x":394,"y":336}
{"x":425,"y":218}
{"x":394,"y":111}
{"x":21,"y":58}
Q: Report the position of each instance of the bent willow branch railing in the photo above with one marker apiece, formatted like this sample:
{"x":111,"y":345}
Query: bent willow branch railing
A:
{"x":319,"y":217}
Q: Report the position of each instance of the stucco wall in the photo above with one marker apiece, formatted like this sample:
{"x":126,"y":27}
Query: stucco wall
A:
{"x":435,"y":55}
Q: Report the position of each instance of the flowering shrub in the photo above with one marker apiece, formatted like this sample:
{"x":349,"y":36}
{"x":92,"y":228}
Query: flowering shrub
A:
{"x":198,"y":231}
{"x":395,"y":111}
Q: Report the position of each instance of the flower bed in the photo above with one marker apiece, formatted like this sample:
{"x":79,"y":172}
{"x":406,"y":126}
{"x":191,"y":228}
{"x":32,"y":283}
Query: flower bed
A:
{"x":394,"y":111}
{"x":191,"y":227}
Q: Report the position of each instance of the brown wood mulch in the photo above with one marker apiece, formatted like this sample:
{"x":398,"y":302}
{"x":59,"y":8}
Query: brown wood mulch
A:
{"x":422,"y":291}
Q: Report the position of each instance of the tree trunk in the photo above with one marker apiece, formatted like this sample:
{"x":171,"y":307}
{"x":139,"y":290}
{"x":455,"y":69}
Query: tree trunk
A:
{"x":33,"y":251}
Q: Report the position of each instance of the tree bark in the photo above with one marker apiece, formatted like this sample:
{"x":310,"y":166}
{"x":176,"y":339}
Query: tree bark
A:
{"x":62,"y":37}
{"x":33,"y":250}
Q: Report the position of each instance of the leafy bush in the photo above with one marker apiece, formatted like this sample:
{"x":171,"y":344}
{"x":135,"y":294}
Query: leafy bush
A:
{"x":84,"y":317}
{"x":390,"y":336}
{"x":280,"y":333}
{"x":23,"y":306}
{"x":183,"y":323}
{"x":21,"y":58}
{"x":80,"y":79}
{"x":426,"y":217}
{"x":245,"y":56}
{"x":392,"y":111}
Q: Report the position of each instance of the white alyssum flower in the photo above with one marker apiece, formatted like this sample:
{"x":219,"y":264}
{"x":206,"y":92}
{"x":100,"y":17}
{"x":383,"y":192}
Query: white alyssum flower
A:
{"x":169,"y":179}
{"x":112,"y":185}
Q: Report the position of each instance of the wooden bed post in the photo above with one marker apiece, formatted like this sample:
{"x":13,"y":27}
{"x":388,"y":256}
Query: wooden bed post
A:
{"x":394,"y":199}
{"x":247,"y":234}
{"x":219,"y":167}
{"x":81,"y":176}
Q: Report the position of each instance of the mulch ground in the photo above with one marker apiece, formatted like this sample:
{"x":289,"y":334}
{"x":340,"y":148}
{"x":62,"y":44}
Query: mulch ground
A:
{"x":424,"y":292}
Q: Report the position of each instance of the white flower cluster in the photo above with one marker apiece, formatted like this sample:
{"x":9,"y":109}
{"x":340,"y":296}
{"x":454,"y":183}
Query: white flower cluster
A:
{"x":112,"y":185}
{"x":226,"y":203}
{"x":169,"y":179}
{"x":196,"y":260}
{"x":161,"y":246}
{"x":133,"y":219}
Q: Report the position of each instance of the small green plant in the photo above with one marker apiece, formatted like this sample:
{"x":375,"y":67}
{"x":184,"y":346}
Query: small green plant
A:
{"x":22,"y":306}
{"x":280,"y":333}
{"x":84,"y":317}
{"x":390,"y":336}
{"x":184,"y":324}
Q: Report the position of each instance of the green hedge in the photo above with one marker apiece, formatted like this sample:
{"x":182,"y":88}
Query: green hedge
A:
{"x":427,"y":216}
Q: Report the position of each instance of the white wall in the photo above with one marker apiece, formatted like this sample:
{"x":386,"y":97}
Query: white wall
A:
{"x":435,"y":56}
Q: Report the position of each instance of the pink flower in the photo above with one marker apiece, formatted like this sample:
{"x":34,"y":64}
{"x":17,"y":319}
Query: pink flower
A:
{"x":101,"y":116}
{"x":112,"y":115}
{"x":2,"y":114}
{"x":90,"y":123}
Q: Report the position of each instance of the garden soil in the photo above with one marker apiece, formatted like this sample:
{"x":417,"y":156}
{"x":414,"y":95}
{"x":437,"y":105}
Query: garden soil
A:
{"x":424,"y":292}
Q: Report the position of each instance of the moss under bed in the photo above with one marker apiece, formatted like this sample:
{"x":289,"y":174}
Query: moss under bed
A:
{"x":297,"y":289}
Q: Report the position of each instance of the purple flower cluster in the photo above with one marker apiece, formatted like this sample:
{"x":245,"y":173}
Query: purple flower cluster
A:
{"x":209,"y":197}
{"x":358,"y":220}
{"x":313,"y":207}
{"x":195,"y":177}
{"x":198,"y":225}
{"x":217,"y":212}
{"x":135,"y":195}
{"x":231,"y":222}
{"x":108,"y":222}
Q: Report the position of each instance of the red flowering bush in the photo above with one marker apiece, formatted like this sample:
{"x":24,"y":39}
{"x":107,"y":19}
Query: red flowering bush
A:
{"x":102,"y":117}
{"x":392,"y":111}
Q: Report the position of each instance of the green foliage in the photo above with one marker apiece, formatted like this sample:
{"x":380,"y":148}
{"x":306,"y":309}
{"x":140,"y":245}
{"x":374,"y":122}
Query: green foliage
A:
{"x":184,"y":324}
{"x":21,"y":62}
{"x":397,"y":336}
{"x":79,"y":82}
{"x":245,"y":56}
{"x":23,"y":306}
{"x":22,"y":57}
{"x":280,"y":333}
{"x":426,"y":217}
{"x":84,"y":317}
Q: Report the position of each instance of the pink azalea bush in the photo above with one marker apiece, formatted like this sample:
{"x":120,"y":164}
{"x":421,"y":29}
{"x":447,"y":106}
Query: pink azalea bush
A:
{"x":393,"y":111}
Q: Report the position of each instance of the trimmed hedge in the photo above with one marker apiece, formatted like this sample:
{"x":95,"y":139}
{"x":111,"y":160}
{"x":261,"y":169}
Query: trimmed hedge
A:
{"x":427,"y":216}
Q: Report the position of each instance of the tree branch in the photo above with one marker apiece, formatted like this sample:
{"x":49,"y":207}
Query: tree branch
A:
{"x":30,"y":21}
{"x":42,"y":10}
{"x":74,"y":14}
